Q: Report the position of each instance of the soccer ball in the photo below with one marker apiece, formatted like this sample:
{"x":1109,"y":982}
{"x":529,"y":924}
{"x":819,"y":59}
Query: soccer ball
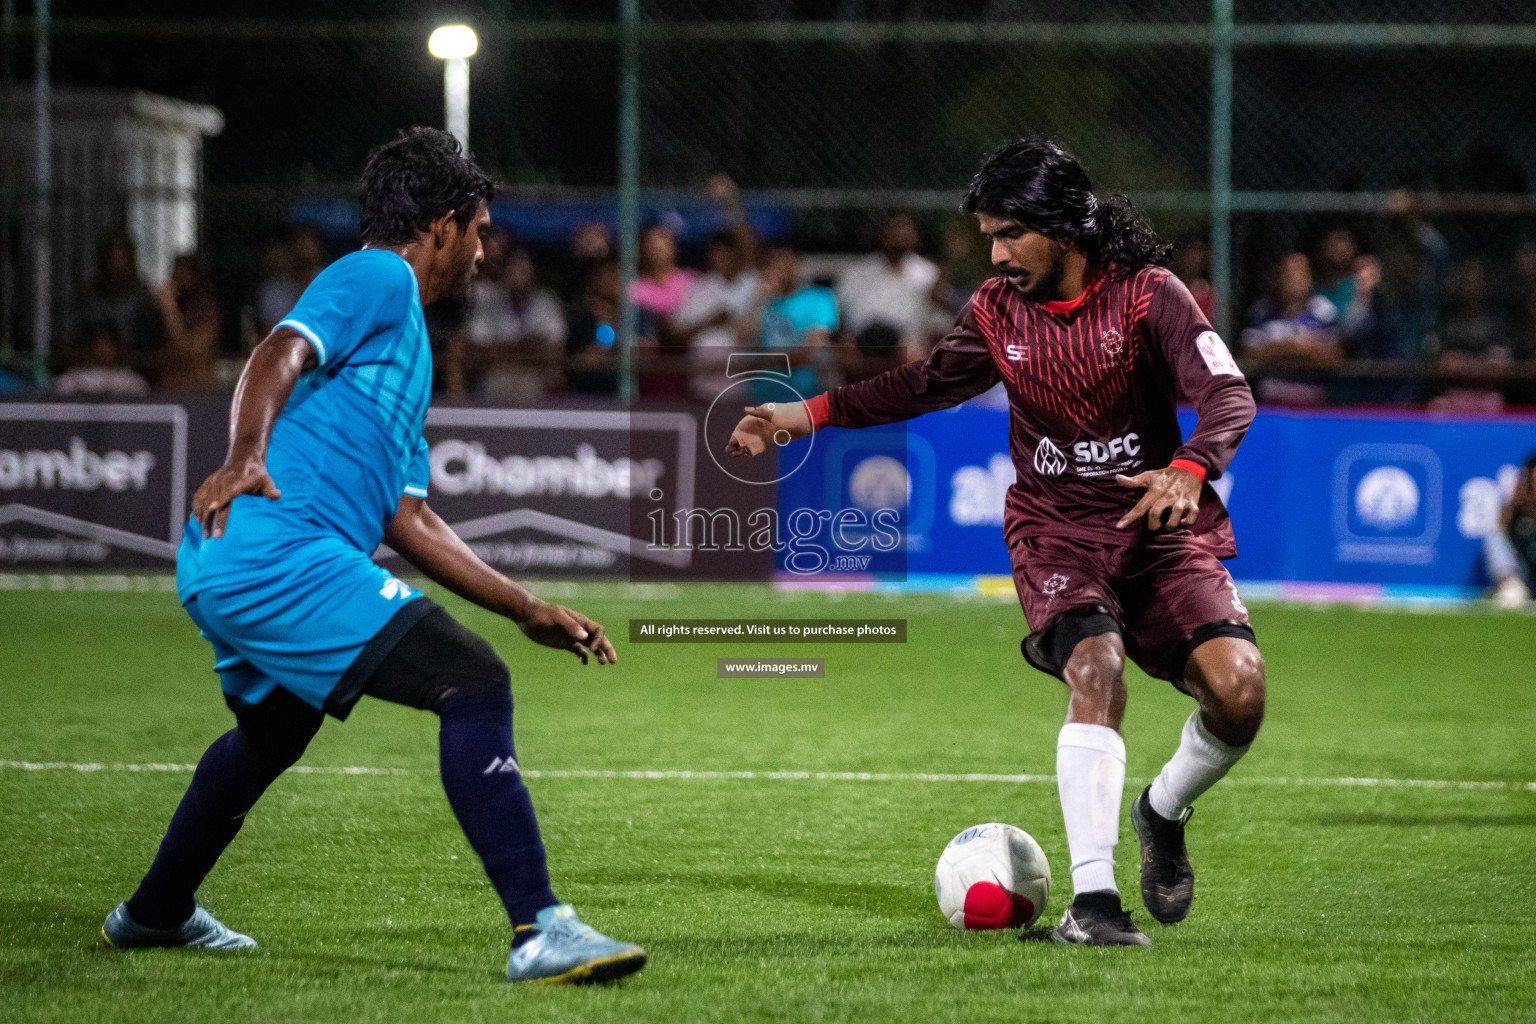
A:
{"x":992,"y":876}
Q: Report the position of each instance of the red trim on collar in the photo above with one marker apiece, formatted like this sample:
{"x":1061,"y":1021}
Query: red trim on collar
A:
{"x":1061,"y":306}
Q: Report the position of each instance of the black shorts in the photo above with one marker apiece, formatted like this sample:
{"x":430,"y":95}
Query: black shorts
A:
{"x":427,"y":658}
{"x":417,"y":660}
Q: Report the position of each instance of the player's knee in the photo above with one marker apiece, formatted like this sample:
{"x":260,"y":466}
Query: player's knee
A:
{"x":1095,"y":673}
{"x":439,"y":660}
{"x":1236,"y":688}
{"x":279,"y":751}
{"x":278,"y":730}
{"x":485,"y":666}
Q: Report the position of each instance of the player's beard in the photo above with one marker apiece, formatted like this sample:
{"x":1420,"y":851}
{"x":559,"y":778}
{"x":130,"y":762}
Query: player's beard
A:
{"x":1045,"y":287}
{"x":462,"y":278}
{"x":452,"y":306}
{"x":450,"y":309}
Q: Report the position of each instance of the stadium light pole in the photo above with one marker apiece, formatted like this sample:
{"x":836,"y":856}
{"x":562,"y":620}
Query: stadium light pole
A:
{"x":454,"y":45}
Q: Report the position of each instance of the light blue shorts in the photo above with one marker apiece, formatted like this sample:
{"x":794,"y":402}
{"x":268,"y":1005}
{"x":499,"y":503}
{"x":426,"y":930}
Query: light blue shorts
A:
{"x":318,"y":629}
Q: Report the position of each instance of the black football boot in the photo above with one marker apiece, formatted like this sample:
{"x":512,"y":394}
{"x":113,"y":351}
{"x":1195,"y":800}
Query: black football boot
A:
{"x":1097,"y":919}
{"x":1167,"y":880}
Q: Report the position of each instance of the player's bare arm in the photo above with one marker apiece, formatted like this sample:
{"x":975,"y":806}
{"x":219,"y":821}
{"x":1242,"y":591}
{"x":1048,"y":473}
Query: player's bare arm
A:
{"x":1172,"y":493}
{"x":265,"y":384}
{"x":421,"y":537}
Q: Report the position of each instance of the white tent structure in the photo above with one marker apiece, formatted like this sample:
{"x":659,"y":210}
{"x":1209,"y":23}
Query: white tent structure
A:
{"x":121,"y":159}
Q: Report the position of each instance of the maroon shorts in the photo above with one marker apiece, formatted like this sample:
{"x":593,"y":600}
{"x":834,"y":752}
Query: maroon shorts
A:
{"x":1163,"y":595}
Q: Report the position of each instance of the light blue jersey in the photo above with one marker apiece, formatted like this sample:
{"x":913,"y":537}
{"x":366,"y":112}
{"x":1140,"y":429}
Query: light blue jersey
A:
{"x":289,"y":594}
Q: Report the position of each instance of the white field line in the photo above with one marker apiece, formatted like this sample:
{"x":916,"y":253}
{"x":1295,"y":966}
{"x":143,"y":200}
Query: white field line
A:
{"x":594,"y":773}
{"x":298,"y":769}
{"x":988,"y":777}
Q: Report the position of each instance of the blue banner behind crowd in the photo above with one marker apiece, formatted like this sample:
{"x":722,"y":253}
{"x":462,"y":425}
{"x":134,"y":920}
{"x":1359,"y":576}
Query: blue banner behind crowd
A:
{"x":1382,"y":503}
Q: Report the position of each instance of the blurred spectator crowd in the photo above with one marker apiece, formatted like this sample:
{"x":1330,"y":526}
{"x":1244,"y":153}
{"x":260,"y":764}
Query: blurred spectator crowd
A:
{"x":835,"y":319}
{"x":1403,"y":323}
{"x":1346,"y":319}
{"x":135,"y":337}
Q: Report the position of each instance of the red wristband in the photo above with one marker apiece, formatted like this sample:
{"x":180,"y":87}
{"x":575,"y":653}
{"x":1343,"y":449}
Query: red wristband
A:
{"x":816,"y":409}
{"x":1189,"y":467}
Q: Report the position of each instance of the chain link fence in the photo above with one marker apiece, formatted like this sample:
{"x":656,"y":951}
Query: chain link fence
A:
{"x":828,"y":114}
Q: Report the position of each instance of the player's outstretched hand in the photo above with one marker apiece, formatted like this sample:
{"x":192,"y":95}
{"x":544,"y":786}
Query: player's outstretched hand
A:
{"x":210,"y":505}
{"x":1171,"y":492}
{"x":774,"y":423}
{"x":563,"y":629}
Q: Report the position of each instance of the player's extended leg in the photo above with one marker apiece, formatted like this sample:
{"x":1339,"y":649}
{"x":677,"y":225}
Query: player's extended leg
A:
{"x":230,"y":778}
{"x":1090,"y":775}
{"x":442,"y":667}
{"x":1226,"y":676}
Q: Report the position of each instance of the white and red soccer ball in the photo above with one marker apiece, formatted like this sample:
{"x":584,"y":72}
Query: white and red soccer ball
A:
{"x":992,"y":876}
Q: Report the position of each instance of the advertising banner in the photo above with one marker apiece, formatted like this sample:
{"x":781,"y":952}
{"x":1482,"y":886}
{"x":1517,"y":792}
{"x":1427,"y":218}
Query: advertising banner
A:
{"x":879,"y":493}
{"x":93,"y":486}
{"x":1325,"y":500}
{"x":1372,"y":499}
{"x":594,"y":492}
{"x":558,"y":492}
{"x":537,"y":492}
{"x":1367,"y":500}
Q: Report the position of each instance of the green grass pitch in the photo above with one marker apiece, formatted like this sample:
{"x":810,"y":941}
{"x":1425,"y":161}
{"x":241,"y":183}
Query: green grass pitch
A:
{"x":779,"y":899}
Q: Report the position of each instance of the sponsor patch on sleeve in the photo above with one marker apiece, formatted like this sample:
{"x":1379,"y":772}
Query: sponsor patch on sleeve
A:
{"x":1217,"y":359}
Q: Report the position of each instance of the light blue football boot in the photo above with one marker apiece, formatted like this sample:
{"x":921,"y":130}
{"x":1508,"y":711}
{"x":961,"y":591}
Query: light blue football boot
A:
{"x":200,"y":931}
{"x":565,"y":951}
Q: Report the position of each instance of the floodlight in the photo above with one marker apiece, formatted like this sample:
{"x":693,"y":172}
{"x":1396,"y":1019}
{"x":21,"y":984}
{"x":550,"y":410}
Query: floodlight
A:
{"x":453,"y":42}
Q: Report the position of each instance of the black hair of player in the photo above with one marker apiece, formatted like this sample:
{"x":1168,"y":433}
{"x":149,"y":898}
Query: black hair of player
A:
{"x":414,"y":179}
{"x":1045,"y":188}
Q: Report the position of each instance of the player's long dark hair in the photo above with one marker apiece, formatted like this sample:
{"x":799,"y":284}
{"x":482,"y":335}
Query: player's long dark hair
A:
{"x":413,"y":180}
{"x":1043,"y":187}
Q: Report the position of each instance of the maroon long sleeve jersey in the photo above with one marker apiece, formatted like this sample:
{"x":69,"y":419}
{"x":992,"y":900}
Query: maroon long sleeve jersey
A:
{"x":1092,"y":390}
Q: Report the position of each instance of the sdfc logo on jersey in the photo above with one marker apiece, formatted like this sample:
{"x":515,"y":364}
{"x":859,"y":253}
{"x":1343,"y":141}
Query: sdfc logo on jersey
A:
{"x":1054,"y":585}
{"x":1049,"y":460}
{"x":1112,"y":342}
{"x":1100,"y":452}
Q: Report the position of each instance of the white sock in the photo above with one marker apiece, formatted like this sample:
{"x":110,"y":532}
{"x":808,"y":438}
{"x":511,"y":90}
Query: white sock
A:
{"x":1090,"y":776}
{"x":1195,"y":767}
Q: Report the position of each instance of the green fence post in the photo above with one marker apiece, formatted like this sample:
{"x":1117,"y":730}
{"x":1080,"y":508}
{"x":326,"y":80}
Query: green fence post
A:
{"x":629,"y":189}
{"x":1221,"y":162}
